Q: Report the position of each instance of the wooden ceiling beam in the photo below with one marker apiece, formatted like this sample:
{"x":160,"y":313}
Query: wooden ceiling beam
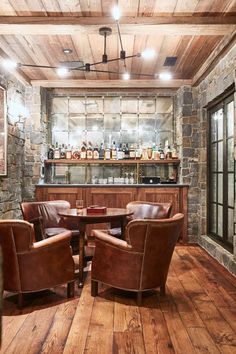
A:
{"x":102,"y":20}
{"x":110,"y":83}
{"x":172,"y":25}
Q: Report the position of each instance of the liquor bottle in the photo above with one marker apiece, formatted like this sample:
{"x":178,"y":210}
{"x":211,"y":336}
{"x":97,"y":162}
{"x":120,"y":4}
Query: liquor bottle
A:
{"x":161,"y":152}
{"x":83,"y":151}
{"x":75,"y":153}
{"x":101,"y":152}
{"x":57,"y":154}
{"x":107,"y":155}
{"x":95,"y":153}
{"x":149,"y":151}
{"x":113,"y":151}
{"x":68,"y":152}
{"x":89,"y":151}
{"x":63,"y":152}
{"x":174,"y":152}
{"x":132,"y":152}
{"x":138,"y":152}
{"x":126,"y":151}
{"x":168,"y":153}
{"x":120,"y":154}
{"x":50,"y":153}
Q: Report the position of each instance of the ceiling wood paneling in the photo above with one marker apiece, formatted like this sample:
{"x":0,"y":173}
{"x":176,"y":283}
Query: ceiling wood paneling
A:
{"x":36,"y":31}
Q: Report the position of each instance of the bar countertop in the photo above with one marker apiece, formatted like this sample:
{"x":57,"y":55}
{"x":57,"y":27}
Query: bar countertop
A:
{"x":160,"y":185}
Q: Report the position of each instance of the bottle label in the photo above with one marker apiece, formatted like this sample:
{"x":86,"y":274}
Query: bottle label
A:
{"x":95,"y":155}
{"x":83,"y":155}
{"x":107,"y":155}
{"x":68,"y":154}
{"x":113,"y":154}
{"x":56,"y":154}
{"x":89,"y":154}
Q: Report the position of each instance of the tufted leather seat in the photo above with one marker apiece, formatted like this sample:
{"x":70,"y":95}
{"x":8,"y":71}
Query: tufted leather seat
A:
{"x":21,"y":256}
{"x":47,"y":222}
{"x":141,"y":261}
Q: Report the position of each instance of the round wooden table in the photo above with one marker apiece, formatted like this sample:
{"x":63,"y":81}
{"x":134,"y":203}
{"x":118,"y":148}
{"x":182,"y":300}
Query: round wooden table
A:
{"x":83,"y":219}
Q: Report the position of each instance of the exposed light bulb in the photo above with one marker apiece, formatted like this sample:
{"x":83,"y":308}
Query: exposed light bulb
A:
{"x":165,"y":76}
{"x":126,"y":76}
{"x":9,"y":64}
{"x":62,"y":71}
{"x":116,"y":13}
{"x":148,"y":53}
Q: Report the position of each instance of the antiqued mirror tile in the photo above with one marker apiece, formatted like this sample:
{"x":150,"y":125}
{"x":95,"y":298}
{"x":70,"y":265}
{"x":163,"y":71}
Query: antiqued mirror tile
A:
{"x":147,"y":122}
{"x":59,"y":122}
{"x":147,"y":105}
{"x":76,"y":138}
{"x":130,"y":136}
{"x":112,"y":122}
{"x":77,"y":122}
{"x":96,"y":137}
{"x":129,"y":121}
{"x":94,"y":105}
{"x":112,"y":105}
{"x":129,"y":105}
{"x":164,"y":122}
{"x":60,"y":138}
{"x":164,"y":104}
{"x":94,"y":122}
{"x":77,"y":105}
{"x":59,"y":105}
{"x":110,"y":136}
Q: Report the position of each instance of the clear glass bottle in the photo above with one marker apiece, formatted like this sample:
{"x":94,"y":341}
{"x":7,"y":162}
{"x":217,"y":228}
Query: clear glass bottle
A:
{"x":113,"y":151}
{"x":57,"y":154}
{"x":95,"y":153}
{"x":83,"y":151}
{"x":68,"y":152}
{"x":89,"y":152}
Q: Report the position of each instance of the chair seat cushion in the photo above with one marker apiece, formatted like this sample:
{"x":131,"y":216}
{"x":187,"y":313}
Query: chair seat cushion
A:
{"x":52,"y":231}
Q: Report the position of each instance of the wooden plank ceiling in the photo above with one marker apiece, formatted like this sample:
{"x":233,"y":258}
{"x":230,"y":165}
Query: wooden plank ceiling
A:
{"x":36,"y":31}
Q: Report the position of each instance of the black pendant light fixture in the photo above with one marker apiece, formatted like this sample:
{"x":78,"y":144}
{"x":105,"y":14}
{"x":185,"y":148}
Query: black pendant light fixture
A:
{"x":68,"y":66}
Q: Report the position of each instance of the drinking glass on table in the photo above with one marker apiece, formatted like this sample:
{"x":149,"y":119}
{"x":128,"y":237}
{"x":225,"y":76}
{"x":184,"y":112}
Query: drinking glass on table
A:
{"x":79,"y":204}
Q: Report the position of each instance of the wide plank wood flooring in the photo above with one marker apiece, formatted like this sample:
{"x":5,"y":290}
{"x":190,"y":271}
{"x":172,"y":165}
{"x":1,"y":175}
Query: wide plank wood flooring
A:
{"x":198,"y":315}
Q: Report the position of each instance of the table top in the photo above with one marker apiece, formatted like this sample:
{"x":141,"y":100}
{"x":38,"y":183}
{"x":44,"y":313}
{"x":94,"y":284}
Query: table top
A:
{"x":111,"y":213}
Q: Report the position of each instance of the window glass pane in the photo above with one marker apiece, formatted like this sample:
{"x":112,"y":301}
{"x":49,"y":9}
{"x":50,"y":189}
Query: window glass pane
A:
{"x":220,"y":156}
{"x":230,"y":118}
{"x":220,"y":221}
{"x":77,"y":105}
{"x":213,"y":187}
{"x":230,"y":225}
{"x":214,"y":157}
{"x":219,"y":117}
{"x":213,"y":127}
{"x":231,"y":190}
{"x":230,"y":154}
{"x":220,"y":188}
{"x":213,"y":219}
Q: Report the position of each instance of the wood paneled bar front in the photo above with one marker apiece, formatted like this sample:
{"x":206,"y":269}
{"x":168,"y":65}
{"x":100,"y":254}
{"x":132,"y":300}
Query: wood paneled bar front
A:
{"x":118,"y":196}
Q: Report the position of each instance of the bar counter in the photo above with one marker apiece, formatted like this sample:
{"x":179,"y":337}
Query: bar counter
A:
{"x":119,"y":195}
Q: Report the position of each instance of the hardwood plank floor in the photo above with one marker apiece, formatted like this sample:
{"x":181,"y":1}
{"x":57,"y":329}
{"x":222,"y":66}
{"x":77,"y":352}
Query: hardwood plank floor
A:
{"x":198,"y":315}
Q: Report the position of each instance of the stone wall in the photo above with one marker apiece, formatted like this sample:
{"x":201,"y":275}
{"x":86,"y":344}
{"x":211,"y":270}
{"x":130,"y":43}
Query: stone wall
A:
{"x":188,"y":139}
{"x":215,"y":84}
{"x":24,"y":149}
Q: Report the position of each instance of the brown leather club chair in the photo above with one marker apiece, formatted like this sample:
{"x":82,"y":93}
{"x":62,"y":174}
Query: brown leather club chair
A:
{"x":22,"y":256}
{"x":143,"y":210}
{"x":141,"y":261}
{"x":47,"y":222}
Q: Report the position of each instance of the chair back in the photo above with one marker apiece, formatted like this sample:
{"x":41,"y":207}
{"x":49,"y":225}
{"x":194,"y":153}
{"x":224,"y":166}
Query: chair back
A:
{"x":48,"y":210}
{"x":16,"y":237}
{"x":156,"y":240}
{"x":149,"y":210}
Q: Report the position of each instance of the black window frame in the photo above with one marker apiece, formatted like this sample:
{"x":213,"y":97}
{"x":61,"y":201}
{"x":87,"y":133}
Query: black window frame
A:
{"x":215,"y":106}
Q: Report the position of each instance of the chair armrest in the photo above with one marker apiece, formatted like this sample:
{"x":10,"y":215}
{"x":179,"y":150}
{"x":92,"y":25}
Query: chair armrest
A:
{"x":114,"y":241}
{"x":54,"y":240}
{"x":38,"y":228}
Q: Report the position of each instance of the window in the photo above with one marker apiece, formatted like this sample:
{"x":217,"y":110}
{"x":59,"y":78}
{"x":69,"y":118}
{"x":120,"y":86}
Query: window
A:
{"x":221,"y":176}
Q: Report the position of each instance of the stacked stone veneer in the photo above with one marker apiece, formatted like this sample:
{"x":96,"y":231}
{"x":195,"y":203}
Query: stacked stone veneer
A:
{"x":188,"y":142}
{"x":24,"y":148}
